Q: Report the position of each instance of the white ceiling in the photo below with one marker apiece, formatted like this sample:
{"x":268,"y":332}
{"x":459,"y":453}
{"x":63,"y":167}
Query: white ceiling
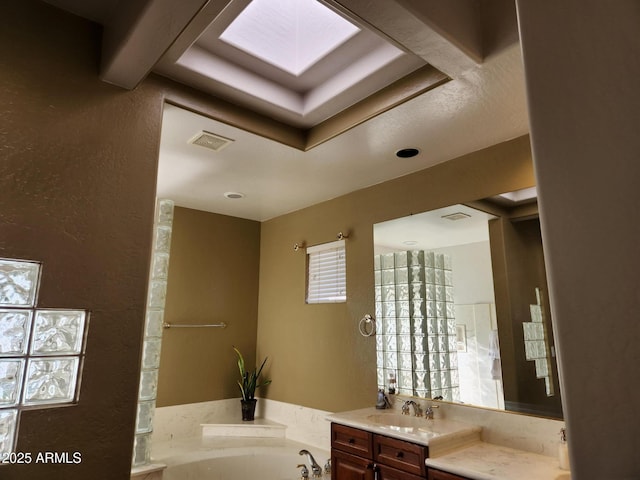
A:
{"x":431,"y":231}
{"x":481,"y":106}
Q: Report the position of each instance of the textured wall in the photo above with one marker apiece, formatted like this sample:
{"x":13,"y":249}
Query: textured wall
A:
{"x":318,"y":357}
{"x":213,"y":277}
{"x":77,"y":185}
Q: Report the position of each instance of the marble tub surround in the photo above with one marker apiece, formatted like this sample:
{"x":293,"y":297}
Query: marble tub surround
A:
{"x":301,"y":424}
{"x":187,"y":434}
{"x":153,"y":471}
{"x":484,"y":461}
{"x":304,"y":425}
{"x":260,"y":428}
{"x":195,"y":449}
{"x":185,"y":421}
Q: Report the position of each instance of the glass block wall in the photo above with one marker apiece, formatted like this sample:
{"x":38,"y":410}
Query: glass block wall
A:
{"x":153,"y":331}
{"x":536,"y":344}
{"x":416,"y":337}
{"x":41,"y":350}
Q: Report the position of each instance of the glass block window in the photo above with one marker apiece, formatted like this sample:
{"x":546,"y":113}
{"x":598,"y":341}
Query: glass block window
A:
{"x":416,"y":338}
{"x":148,"y":387}
{"x":41,"y":350}
{"x":536,"y":344}
{"x":327,"y":273}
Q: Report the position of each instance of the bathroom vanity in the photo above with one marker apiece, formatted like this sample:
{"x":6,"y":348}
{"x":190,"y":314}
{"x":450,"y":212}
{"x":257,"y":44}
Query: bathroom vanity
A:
{"x":359,"y":454}
{"x":370,"y":444}
{"x":367,"y":444}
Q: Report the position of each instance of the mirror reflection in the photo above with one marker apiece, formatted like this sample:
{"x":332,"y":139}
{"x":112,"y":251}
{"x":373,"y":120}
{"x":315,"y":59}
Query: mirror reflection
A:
{"x":461,"y":308}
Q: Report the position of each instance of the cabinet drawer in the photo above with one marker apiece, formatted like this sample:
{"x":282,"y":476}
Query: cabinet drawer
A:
{"x":352,"y":440}
{"x":399,"y":454}
{"x":388,"y":473}
{"x":440,"y":475}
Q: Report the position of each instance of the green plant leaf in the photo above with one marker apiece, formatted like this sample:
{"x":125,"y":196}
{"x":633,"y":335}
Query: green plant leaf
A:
{"x":249,"y":381}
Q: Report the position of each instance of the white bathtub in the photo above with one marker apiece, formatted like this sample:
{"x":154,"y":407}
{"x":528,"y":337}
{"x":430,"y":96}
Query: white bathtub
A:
{"x":235,"y":459}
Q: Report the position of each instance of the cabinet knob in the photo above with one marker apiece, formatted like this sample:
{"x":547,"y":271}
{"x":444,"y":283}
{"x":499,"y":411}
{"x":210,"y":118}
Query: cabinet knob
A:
{"x":352,"y":441}
{"x":399,"y":454}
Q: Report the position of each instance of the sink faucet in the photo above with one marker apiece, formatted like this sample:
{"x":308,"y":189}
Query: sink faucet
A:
{"x":428,"y":413}
{"x":416,"y":408}
{"x":315,"y":468}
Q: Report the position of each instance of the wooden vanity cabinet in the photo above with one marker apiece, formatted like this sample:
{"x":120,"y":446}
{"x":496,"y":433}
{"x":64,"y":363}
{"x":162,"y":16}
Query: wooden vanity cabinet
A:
{"x":440,"y":475}
{"x":360,"y":455}
{"x":345,"y":466}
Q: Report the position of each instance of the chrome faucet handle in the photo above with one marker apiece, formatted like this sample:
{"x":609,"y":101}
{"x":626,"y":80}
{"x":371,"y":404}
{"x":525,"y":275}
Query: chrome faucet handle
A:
{"x":327,"y":466}
{"x":428,"y":413}
{"x":304,"y":473}
{"x":417,"y":411}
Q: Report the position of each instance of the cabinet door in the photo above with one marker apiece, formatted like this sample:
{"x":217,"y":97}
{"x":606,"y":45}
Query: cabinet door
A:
{"x":440,"y":475}
{"x":388,"y":473}
{"x":349,"y":467}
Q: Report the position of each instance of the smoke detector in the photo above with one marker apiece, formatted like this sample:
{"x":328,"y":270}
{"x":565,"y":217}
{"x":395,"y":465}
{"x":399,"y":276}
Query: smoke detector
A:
{"x":456,"y":216}
{"x":210,"y":140}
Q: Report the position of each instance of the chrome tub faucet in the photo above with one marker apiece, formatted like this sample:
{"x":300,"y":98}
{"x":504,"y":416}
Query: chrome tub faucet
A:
{"x":315,"y":468}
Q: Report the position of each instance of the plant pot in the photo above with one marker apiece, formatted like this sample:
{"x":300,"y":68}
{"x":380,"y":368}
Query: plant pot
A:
{"x":248,"y":409}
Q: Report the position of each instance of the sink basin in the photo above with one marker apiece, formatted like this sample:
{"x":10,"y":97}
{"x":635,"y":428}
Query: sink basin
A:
{"x":417,"y":426}
{"x":438,"y":434}
{"x":407,"y":424}
{"x":395,"y":420}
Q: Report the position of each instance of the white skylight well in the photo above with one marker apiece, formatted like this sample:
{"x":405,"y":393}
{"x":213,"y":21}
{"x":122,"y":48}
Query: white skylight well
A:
{"x":290,"y":34}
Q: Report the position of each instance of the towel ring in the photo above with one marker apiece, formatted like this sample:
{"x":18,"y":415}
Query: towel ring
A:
{"x":367,"y":321}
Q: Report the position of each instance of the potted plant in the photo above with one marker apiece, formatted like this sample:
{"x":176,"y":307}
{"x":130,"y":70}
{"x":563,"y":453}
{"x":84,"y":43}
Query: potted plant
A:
{"x":248,"y":383}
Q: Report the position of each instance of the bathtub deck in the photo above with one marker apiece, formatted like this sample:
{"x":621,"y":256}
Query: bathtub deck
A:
{"x":195,"y":449}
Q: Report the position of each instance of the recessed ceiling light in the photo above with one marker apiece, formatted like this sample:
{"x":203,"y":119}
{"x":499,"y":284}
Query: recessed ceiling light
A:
{"x":234,"y":195}
{"x":407,"y":152}
{"x":410,"y":243}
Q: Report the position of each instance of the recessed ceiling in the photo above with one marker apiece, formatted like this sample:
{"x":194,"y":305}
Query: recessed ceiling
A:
{"x":297,"y":61}
{"x":477,"y":102}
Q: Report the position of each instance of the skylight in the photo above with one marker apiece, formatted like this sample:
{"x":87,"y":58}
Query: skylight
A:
{"x":290,"y":34}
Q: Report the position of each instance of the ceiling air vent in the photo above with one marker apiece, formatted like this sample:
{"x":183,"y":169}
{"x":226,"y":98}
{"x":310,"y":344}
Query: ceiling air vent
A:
{"x":456,"y":216}
{"x":210,"y":140}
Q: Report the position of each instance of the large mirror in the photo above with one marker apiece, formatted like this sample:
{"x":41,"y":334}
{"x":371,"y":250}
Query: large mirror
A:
{"x":461,"y":306}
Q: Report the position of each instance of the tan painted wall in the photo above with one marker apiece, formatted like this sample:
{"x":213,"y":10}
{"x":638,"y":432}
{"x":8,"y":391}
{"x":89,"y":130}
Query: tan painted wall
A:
{"x":213,"y":277}
{"x":77,"y":167}
{"x":78,"y":161}
{"x":518,"y":269}
{"x":318,"y":357}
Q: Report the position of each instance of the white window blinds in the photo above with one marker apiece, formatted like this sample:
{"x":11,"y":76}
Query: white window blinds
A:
{"x":326,"y":273}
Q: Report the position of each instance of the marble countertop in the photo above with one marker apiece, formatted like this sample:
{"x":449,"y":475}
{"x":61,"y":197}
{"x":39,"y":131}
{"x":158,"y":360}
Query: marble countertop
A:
{"x":485,"y":461}
{"x":439,"y":435}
